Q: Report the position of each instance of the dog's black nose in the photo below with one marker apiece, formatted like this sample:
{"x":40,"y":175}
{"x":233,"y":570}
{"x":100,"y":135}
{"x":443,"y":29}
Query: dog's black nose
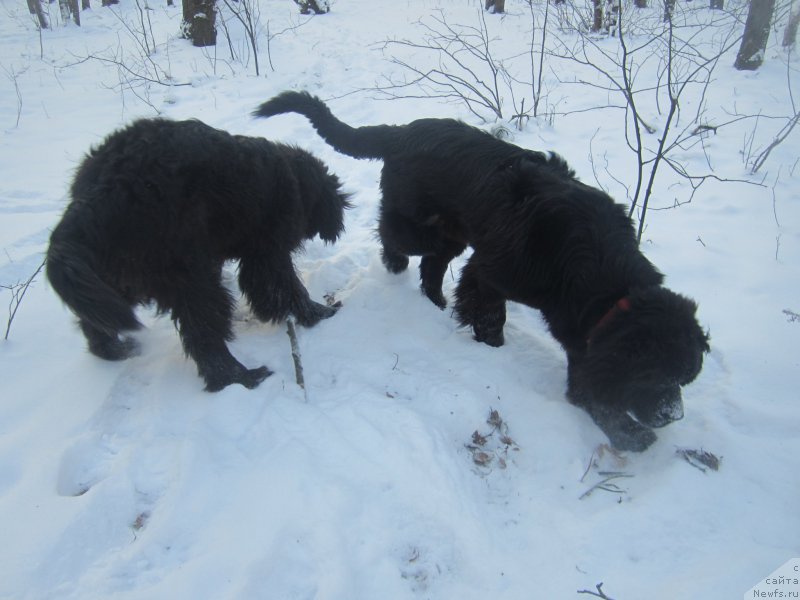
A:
{"x":668,"y":412}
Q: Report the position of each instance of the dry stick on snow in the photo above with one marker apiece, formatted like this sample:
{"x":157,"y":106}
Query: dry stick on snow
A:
{"x":298,"y":362}
{"x":589,"y":466}
{"x":605,"y":484}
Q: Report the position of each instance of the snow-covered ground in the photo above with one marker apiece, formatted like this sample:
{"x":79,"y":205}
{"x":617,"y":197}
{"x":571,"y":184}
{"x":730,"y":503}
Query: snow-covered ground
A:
{"x":126,"y":480}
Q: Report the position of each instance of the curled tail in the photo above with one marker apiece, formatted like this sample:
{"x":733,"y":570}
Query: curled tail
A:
{"x":92,"y":300}
{"x":358,"y":142}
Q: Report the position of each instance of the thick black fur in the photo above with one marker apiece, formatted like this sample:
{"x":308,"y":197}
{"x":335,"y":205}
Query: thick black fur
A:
{"x":158,"y":208}
{"x":539,"y":237}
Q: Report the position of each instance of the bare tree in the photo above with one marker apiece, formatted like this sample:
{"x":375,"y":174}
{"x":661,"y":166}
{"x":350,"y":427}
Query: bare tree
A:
{"x":13,"y":76}
{"x":757,"y":159}
{"x":664,"y":62}
{"x":464,"y":66}
{"x":536,"y":79}
{"x":756,"y":34}
{"x":248,"y":14}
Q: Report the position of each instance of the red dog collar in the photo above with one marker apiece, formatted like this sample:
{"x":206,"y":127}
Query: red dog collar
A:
{"x":623,"y":305}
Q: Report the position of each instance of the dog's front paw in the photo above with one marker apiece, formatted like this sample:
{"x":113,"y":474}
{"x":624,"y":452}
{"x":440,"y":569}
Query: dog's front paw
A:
{"x":115,"y":348}
{"x":252,"y":378}
{"x":492,"y":338}
{"x":315,"y":312}
{"x":435,"y":295}
{"x":249,"y":378}
{"x":488,"y":328}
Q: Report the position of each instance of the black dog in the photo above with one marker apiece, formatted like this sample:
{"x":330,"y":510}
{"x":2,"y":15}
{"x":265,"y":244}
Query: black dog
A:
{"x":540,"y":237}
{"x":158,"y":208}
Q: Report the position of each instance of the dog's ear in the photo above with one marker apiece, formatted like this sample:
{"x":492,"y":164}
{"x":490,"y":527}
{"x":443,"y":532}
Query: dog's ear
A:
{"x":535,"y":172}
{"x":705,"y":341}
{"x":328,"y":217}
{"x":321,"y":194}
{"x":702,"y":337}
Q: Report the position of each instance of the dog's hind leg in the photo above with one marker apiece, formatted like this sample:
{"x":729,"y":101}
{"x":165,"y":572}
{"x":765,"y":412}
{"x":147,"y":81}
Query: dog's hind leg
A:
{"x":393,"y":259}
{"x":402,"y":237}
{"x":399,"y":240}
{"x":202,"y":312}
{"x":275,"y":291}
{"x":432,"y":269}
{"x":108,"y":346}
{"x":480,"y":306}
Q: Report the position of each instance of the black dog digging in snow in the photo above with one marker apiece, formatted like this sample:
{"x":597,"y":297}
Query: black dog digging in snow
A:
{"x":539,"y":237}
{"x":158,"y":208}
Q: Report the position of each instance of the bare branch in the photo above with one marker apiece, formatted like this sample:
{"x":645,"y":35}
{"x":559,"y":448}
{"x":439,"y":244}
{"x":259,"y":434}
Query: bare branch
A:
{"x":598,"y":594}
{"x":18,"y":292}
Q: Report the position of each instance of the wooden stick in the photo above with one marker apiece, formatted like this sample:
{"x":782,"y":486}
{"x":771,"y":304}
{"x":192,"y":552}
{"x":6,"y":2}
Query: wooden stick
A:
{"x":298,"y":362}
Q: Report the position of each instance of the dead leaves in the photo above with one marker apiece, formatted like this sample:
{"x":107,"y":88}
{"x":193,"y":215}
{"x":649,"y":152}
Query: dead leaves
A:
{"x":492,"y":448}
{"x":700,"y":459}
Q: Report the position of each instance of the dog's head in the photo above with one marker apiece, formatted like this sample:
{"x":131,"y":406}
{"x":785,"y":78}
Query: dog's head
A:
{"x":638,"y":361}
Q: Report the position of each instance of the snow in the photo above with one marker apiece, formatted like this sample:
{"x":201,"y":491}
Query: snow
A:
{"x":126,"y":480}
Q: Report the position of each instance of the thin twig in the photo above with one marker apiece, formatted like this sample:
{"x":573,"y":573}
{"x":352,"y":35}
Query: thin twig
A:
{"x":588,"y":467}
{"x":17,"y":294}
{"x":599,"y":593}
{"x":603,"y":484}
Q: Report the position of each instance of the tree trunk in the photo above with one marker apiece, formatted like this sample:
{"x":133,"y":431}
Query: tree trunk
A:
{"x":69,"y":9}
{"x":316,"y":6}
{"x":640,"y":3}
{"x":199,"y":22}
{"x":790,"y":33}
{"x":498,"y":6}
{"x":597,"y":21}
{"x":35,"y":6}
{"x":669,"y":9}
{"x":717,"y":4}
{"x":756,"y":34}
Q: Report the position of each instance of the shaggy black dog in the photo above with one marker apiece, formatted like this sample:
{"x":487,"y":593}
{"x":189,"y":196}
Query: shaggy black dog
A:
{"x":540,"y":237}
{"x":158,"y":208}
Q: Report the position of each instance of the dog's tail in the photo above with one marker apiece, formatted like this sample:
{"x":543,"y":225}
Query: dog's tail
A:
{"x":89,"y":297}
{"x":358,"y":142}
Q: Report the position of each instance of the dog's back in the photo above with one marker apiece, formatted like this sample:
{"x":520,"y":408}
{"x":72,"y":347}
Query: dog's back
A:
{"x":448,"y":151}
